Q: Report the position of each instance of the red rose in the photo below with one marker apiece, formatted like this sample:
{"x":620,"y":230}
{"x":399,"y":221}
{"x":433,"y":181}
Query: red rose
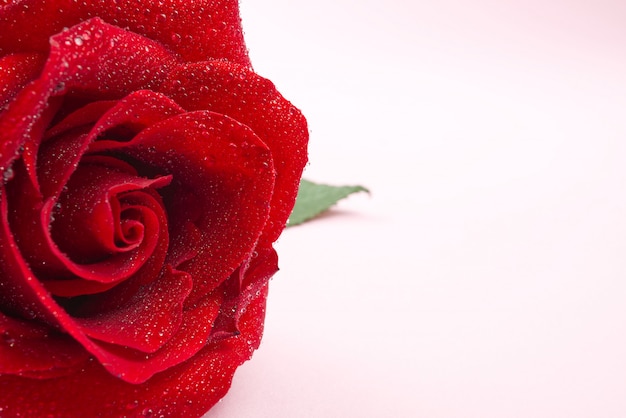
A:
{"x":146,"y":173}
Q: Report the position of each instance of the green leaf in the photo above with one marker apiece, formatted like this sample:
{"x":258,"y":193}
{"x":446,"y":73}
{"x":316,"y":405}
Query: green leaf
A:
{"x":314,"y":198}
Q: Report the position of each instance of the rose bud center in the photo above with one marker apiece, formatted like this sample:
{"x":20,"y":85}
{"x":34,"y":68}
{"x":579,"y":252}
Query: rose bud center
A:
{"x":105,"y":210}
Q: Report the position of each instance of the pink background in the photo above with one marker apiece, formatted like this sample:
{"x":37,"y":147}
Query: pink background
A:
{"x":485,"y":276}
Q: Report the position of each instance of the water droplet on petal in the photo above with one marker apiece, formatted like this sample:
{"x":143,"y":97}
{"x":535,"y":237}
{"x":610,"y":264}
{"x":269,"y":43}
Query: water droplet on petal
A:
{"x":8,"y":174}
{"x":176,"y":38}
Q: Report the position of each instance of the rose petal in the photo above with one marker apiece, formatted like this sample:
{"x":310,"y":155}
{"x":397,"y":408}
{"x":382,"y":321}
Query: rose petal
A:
{"x":186,"y":390}
{"x":107,"y":62}
{"x":241,"y":288}
{"x":185,"y":234}
{"x":137,"y":366}
{"x":96,"y":59}
{"x":64,"y":147}
{"x":20,"y":289}
{"x":227,"y":88}
{"x":26,"y":347}
{"x":197,"y":30}
{"x":83,"y":117}
{"x":148,"y":320}
{"x":17,"y":70}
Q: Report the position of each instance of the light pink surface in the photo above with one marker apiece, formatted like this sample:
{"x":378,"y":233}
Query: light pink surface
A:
{"x":486,"y":274}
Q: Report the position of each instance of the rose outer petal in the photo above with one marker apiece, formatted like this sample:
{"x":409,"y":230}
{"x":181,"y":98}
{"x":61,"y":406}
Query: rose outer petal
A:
{"x":196,"y":30}
{"x":233,"y":90}
{"x":186,"y":390}
{"x":25,"y":349}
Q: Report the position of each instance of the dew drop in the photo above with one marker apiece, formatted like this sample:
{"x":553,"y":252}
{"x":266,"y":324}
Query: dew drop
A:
{"x":8,"y":174}
{"x":78,"y":41}
{"x":8,"y":339}
{"x":176,"y":38}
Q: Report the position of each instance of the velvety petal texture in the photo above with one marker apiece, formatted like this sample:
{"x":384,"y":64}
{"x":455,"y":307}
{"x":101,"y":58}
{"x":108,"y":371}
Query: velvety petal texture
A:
{"x":145,"y":173}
